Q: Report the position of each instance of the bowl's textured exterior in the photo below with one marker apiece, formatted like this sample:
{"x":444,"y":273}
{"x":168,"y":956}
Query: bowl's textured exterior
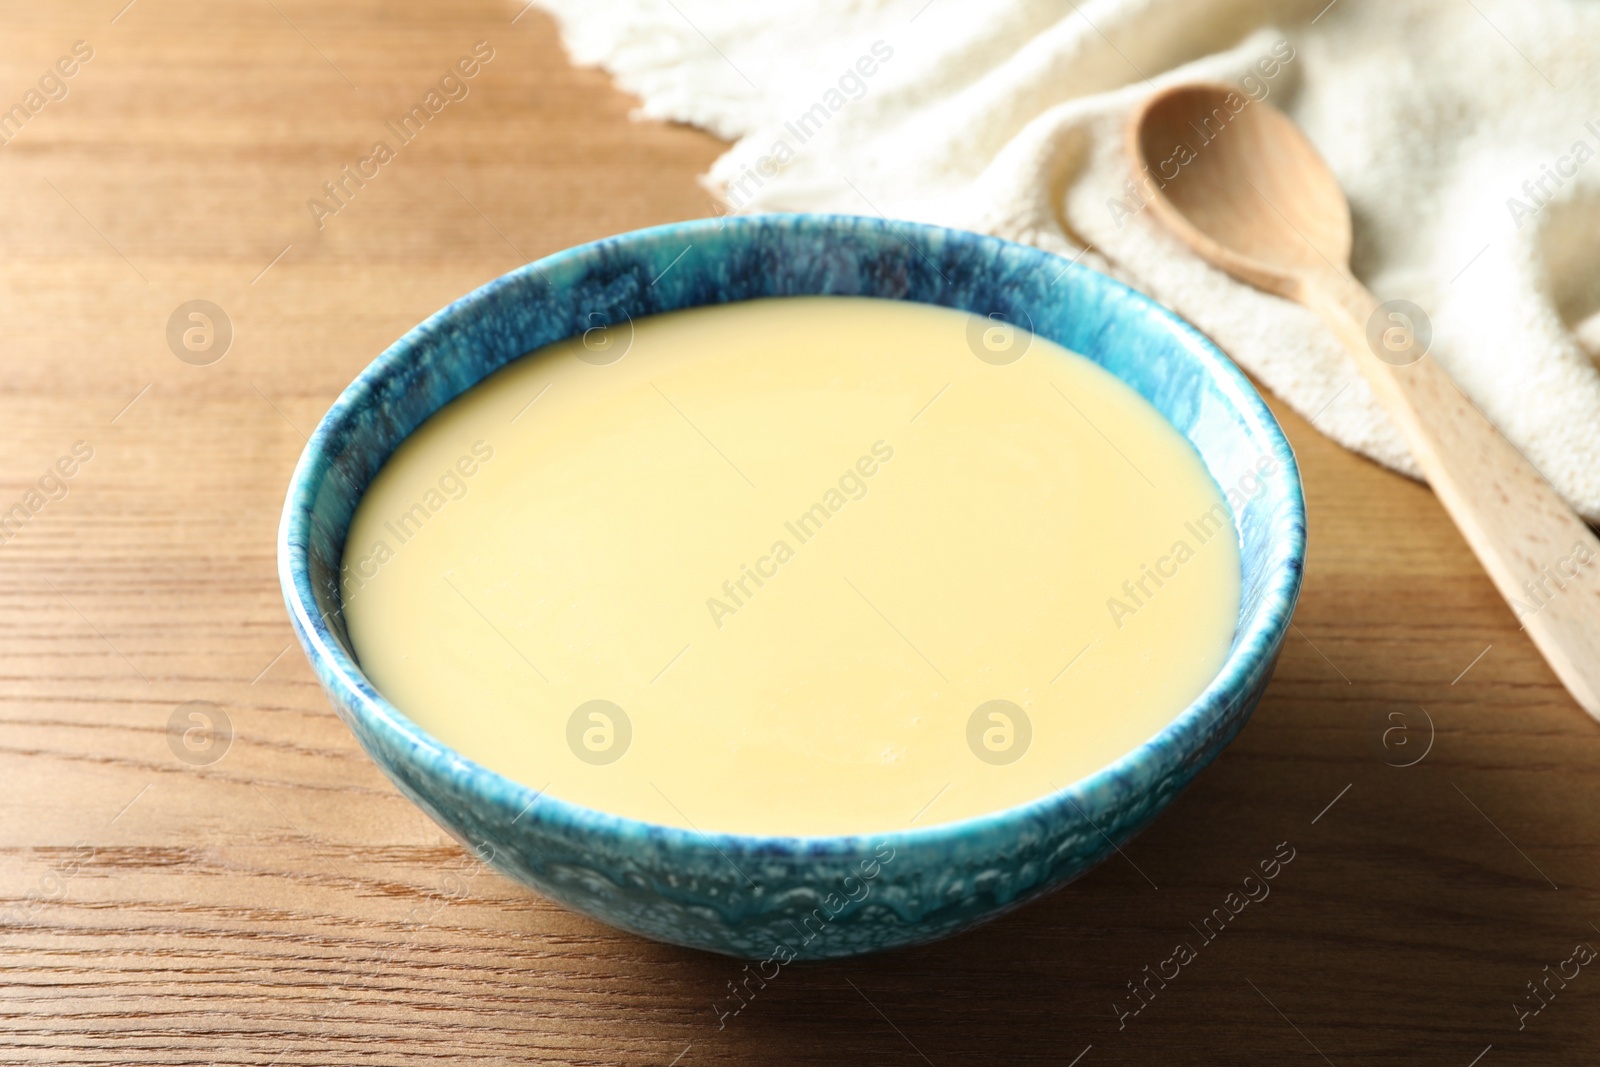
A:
{"x":777,"y":898}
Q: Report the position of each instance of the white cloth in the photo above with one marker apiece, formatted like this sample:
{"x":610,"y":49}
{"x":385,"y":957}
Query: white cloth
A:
{"x":1007,"y":117}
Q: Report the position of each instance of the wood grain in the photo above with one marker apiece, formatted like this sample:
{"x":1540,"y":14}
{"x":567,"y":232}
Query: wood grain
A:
{"x":283,"y":905}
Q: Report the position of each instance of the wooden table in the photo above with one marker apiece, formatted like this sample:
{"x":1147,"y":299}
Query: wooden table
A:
{"x":282,"y":904}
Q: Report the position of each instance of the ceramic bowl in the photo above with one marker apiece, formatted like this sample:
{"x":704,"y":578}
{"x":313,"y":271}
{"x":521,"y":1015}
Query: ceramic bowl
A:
{"x":781,"y":898}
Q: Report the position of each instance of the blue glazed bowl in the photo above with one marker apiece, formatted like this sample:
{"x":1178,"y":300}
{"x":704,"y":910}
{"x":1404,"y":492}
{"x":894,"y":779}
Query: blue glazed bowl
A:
{"x":780,"y":898}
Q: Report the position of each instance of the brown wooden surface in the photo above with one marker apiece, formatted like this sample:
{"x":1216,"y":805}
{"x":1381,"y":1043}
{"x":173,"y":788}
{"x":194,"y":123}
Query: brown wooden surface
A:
{"x":284,"y":905}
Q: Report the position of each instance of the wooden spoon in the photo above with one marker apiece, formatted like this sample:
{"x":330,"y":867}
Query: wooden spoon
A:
{"x":1239,"y":183}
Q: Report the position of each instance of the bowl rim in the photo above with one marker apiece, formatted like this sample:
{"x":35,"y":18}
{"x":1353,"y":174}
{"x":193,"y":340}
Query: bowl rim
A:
{"x":1256,"y":640}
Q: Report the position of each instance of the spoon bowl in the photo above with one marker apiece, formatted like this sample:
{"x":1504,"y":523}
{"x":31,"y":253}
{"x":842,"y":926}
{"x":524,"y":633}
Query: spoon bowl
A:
{"x":1241,"y":184}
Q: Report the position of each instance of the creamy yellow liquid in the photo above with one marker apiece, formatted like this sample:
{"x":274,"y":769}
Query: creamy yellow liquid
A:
{"x":799,"y":543}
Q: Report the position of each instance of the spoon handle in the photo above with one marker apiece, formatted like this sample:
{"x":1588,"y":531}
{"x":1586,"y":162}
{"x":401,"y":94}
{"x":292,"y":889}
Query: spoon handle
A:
{"x":1541,"y":556}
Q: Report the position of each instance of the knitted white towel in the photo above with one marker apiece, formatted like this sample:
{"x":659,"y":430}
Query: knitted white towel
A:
{"x":1466,"y":134}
